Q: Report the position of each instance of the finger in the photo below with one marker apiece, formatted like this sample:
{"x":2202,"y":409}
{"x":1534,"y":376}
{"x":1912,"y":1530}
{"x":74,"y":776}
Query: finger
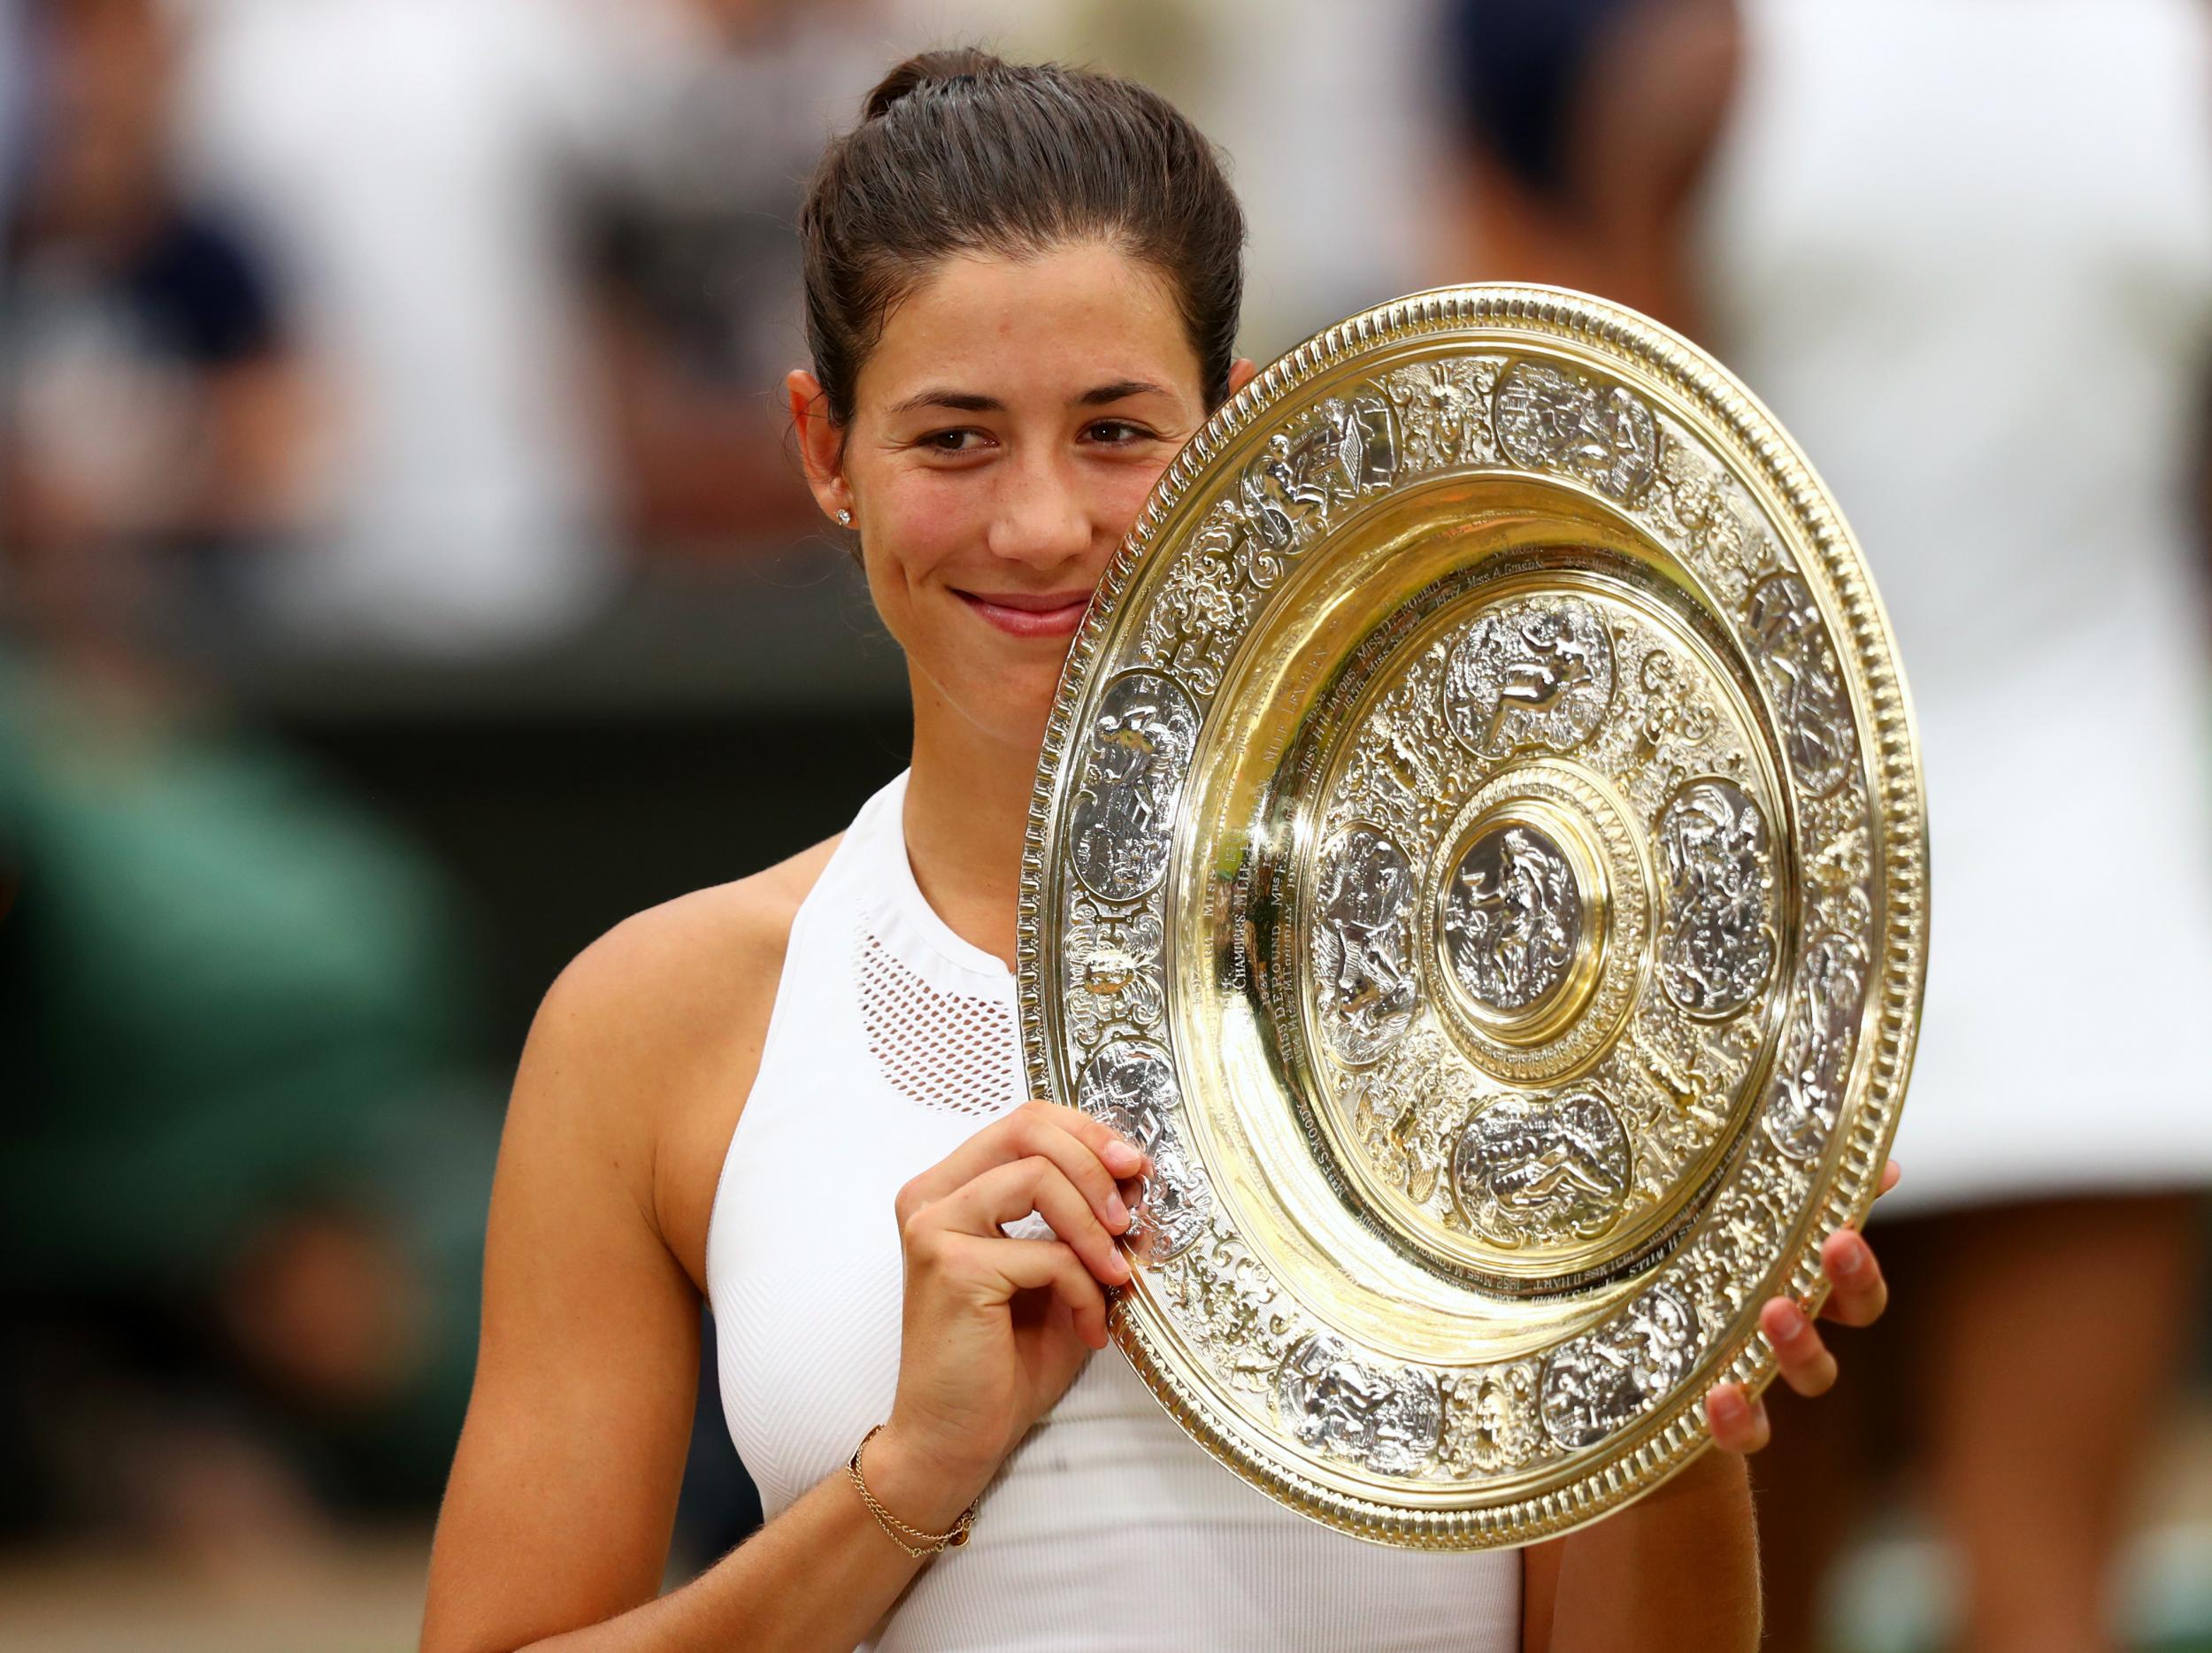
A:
{"x":1044,"y":1265}
{"x":1893,"y":1174}
{"x":1858,"y":1293}
{"x":1805,"y":1362}
{"x":1084,"y":1150}
{"x":1006,"y":1193}
{"x":1738,"y":1422}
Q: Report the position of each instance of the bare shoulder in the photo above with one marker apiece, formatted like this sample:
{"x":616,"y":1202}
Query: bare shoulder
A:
{"x":663,"y":980}
{"x":652,"y":1036}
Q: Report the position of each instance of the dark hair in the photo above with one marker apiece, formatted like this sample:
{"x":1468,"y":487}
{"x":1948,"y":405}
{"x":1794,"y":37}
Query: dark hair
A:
{"x":959,"y":151}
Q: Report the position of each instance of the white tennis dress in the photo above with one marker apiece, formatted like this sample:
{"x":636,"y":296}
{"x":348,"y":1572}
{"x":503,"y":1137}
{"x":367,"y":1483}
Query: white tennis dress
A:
{"x":892,"y":1042}
{"x":1963,"y":250}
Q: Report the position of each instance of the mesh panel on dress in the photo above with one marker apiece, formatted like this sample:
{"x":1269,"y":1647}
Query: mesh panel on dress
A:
{"x":948,"y":1050}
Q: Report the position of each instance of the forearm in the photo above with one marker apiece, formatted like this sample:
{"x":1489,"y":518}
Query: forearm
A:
{"x":815,"y":1580}
{"x":1678,"y":1569}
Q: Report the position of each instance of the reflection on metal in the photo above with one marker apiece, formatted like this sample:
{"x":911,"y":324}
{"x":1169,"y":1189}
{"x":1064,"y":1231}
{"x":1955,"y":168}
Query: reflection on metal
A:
{"x":1479,"y":849}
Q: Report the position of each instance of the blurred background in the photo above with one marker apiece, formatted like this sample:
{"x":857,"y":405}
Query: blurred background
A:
{"x":405,"y":574}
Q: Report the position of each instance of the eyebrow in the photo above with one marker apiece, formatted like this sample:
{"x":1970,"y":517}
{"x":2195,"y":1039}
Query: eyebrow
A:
{"x":968,"y":402}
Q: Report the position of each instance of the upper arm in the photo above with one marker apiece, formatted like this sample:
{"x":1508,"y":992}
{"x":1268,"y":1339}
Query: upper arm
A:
{"x":1539,"y":1588}
{"x":563,"y":1487}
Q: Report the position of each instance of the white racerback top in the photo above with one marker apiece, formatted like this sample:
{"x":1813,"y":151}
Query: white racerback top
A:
{"x":892,"y":1041}
{"x":1963,"y":250}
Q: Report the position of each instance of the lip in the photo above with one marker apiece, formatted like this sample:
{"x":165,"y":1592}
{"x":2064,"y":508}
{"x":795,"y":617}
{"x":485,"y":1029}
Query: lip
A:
{"x":1025,"y":614}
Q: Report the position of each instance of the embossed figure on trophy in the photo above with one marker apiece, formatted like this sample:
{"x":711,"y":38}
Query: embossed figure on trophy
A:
{"x":1113,"y":970}
{"x":1606,"y":437}
{"x":1555,"y":666}
{"x":1591,"y":1387}
{"x":1529,"y":1171}
{"x":1390,"y":1422}
{"x":1513,"y":918}
{"x":1818,"y":1048}
{"x":1272,"y":512}
{"x":1131,"y":1085}
{"x":1125,"y":805}
{"x":1802,"y":671}
{"x":1360,"y":943}
{"x":1719,"y":943}
{"x":1537,"y":673}
{"x":1174,"y":1202}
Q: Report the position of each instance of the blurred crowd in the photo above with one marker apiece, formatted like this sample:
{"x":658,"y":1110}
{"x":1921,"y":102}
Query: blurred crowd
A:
{"x":378,"y":343}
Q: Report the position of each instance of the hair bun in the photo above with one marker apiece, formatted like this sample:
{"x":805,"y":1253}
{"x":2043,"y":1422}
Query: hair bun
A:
{"x":926,"y":68}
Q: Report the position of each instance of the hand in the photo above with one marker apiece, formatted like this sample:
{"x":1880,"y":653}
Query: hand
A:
{"x":1856,"y":1296}
{"x":995,"y":1328}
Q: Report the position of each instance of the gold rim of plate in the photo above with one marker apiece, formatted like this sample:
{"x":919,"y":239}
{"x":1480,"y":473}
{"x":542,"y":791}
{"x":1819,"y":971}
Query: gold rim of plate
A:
{"x":1480,"y":848}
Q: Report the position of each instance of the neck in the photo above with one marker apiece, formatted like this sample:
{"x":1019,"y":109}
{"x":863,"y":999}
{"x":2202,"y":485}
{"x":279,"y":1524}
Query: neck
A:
{"x":967,"y":812}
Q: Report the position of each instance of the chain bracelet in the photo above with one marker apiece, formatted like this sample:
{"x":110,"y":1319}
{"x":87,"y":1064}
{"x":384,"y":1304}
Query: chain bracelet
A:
{"x":900,"y":1531}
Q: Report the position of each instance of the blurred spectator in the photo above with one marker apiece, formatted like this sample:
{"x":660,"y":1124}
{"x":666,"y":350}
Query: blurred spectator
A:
{"x":697,"y":284}
{"x":1987,"y":312}
{"x":242,"y":1149}
{"x":15,"y":100}
{"x":417,"y":165}
{"x":152,"y":414}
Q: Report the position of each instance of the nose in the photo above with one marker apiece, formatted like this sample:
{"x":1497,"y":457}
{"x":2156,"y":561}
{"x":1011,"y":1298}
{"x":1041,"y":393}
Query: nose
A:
{"x":1042,"y":520}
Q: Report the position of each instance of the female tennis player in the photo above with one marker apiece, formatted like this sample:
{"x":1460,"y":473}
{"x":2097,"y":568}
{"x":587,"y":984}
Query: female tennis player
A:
{"x":798,"y":1094}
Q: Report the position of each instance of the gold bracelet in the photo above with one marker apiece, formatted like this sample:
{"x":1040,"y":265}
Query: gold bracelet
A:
{"x":899,"y":1530}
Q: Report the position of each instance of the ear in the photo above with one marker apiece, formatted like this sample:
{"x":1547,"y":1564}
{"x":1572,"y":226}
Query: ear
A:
{"x":821,"y":442}
{"x":1242,"y":372}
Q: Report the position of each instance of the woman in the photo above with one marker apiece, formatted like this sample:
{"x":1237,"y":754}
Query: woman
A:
{"x":1022,"y":292}
{"x":1870,"y":210}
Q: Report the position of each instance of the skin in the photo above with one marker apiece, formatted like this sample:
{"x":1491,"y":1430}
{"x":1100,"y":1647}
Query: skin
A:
{"x":1007,"y":427}
{"x":2037,"y":1519}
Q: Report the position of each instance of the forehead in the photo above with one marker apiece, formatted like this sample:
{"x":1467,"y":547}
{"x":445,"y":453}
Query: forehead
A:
{"x":1042,"y":328}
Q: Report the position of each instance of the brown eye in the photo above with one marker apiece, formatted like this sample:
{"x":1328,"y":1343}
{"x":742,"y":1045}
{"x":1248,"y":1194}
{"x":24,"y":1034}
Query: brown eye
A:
{"x":951,"y":441}
{"x":1118,"y":433}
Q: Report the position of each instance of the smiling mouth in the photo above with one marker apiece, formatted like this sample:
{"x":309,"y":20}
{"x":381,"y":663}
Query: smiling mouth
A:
{"x":1023,"y":614}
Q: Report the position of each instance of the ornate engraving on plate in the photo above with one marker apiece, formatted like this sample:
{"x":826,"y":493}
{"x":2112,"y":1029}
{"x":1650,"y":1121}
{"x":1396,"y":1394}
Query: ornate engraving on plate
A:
{"x":1174,"y":1205}
{"x":1390,"y":1421}
{"x":1362,"y":953}
{"x":1541,"y":1171}
{"x":1130,"y":1087}
{"x":1806,"y":681}
{"x":1808,"y":1082}
{"x":1491,"y":1427}
{"x":1138,"y":749}
{"x":1226,"y":1304}
{"x":1595,"y":1384}
{"x":1538,"y":673}
{"x":1113,"y":971}
{"x":1604,"y":436}
{"x":1717,"y":946}
{"x":1303,"y":473}
{"x":1512,"y":916}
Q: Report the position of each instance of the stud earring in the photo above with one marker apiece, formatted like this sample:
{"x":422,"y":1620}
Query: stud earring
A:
{"x":844,"y":519}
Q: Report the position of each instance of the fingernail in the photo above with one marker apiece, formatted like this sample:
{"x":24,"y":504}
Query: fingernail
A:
{"x":1727,"y":1407}
{"x":1121,"y":1157}
{"x":1116,"y":1213}
{"x":1118,"y":1266}
{"x":1793,"y":1326}
{"x":1849,"y":1259}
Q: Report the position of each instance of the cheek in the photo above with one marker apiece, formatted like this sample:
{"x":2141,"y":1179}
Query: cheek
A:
{"x":925,"y":521}
{"x":1120,"y":494}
